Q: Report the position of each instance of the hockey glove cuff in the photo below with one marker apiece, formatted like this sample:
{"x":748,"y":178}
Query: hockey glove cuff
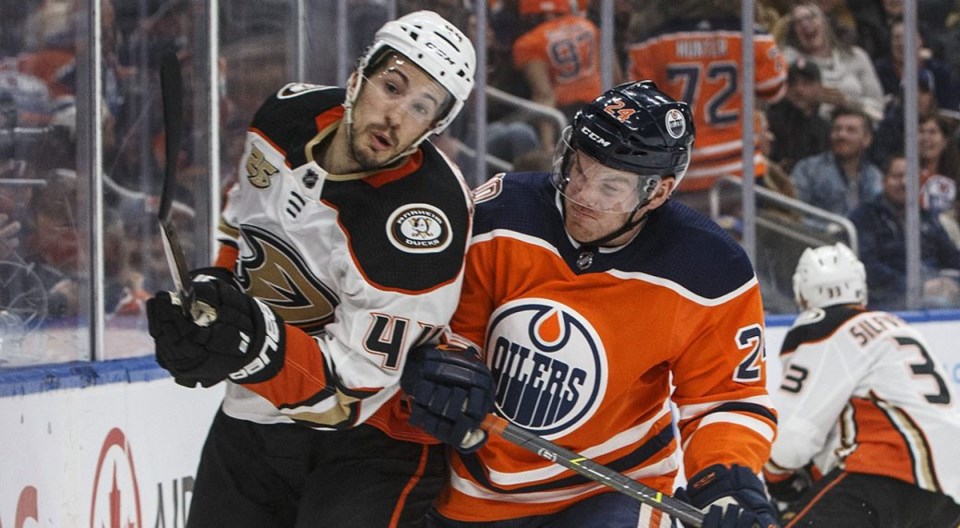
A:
{"x":245,"y":342}
{"x":215,"y":272}
{"x":787,"y":485}
{"x":735,"y":498}
{"x":451,"y":392}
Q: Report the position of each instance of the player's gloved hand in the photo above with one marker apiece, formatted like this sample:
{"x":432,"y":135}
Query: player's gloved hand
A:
{"x":787,"y":485}
{"x":244,"y":343}
{"x":451,"y":392}
{"x":735,"y":498}
{"x":215,"y":272}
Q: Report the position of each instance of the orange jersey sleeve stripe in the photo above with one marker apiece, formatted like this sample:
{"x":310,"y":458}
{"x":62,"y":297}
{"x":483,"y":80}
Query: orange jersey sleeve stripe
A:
{"x":303,"y":376}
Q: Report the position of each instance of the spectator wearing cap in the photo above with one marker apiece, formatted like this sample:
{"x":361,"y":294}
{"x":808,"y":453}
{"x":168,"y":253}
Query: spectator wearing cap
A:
{"x":939,"y":78}
{"x":889,"y":134}
{"x":795,"y":122}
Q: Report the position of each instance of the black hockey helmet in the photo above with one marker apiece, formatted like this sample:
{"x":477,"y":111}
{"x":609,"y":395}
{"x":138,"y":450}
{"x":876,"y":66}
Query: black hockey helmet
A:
{"x":637,"y":128}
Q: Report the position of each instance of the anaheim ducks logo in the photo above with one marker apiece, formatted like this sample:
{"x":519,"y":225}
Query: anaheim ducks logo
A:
{"x":275,"y":273}
{"x":549,"y":365}
{"x":418,"y":228}
{"x":295,"y":89}
{"x":259,"y":170}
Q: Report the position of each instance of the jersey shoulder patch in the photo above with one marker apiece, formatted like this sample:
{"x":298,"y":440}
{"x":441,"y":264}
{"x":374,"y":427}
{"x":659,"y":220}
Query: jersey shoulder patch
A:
{"x":817,"y":324}
{"x":295,"y":89}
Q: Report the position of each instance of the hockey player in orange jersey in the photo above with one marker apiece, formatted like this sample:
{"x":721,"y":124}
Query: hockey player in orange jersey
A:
{"x":868,"y":411}
{"x":697,"y":58}
{"x":588,"y":292}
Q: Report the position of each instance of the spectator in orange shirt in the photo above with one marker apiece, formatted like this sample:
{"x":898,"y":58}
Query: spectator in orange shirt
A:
{"x":559,"y":56}
{"x":696,"y":58}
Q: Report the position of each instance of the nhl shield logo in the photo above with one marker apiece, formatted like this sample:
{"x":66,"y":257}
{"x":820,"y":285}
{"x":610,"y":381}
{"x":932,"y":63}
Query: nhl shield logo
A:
{"x":419,"y":228}
{"x":676,"y":124}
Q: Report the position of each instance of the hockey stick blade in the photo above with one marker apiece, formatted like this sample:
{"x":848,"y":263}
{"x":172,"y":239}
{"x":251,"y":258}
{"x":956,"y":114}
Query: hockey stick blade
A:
{"x":676,"y":508}
{"x":171,"y":93}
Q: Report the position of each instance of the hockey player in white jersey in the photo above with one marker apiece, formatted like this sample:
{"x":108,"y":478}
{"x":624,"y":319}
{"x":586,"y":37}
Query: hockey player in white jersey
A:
{"x":869,"y":419}
{"x":340,"y":262}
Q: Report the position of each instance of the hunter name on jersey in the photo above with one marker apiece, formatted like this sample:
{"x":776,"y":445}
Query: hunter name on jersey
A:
{"x":549,"y":365}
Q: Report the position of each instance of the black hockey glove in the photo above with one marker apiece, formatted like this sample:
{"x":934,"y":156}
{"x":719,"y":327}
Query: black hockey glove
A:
{"x":215,"y":272}
{"x":734,"y":495}
{"x":451,"y":392}
{"x":245,"y":343}
{"x":787,"y":486}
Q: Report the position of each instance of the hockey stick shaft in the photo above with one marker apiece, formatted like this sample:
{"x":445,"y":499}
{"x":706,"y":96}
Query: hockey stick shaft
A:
{"x":676,"y":508}
{"x":171,"y":92}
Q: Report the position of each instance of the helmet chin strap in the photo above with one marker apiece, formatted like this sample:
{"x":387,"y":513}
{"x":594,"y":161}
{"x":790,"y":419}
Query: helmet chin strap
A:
{"x":627,"y":226}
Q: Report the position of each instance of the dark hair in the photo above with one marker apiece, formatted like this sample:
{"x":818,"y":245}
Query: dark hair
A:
{"x":845,"y":110}
{"x":897,"y":154}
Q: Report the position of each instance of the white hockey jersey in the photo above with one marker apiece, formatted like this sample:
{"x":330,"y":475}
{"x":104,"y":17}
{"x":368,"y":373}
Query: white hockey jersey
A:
{"x":361,"y":267}
{"x":862,"y":390}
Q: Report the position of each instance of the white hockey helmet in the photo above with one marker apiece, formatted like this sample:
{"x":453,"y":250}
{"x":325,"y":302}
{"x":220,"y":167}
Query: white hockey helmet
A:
{"x":829,"y":275}
{"x":433,"y":44}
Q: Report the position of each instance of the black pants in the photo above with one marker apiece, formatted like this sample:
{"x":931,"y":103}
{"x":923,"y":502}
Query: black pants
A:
{"x":284,"y":475}
{"x":855,"y":500}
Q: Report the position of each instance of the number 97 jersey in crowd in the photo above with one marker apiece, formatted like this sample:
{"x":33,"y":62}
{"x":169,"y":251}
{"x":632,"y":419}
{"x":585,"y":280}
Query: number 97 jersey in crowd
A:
{"x":583,"y":344}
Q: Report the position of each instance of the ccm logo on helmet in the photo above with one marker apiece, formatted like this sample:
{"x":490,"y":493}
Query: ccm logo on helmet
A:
{"x":440,"y":52}
{"x":594,"y":137}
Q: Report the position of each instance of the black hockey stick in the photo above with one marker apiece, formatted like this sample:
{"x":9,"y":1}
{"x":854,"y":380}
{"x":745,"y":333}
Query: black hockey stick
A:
{"x":676,"y":508}
{"x":171,"y":92}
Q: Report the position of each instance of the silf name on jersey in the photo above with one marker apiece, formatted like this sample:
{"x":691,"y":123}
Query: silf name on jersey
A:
{"x":549,"y":366}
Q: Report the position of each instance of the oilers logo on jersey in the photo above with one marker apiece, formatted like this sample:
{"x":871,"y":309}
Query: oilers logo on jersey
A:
{"x":418,"y":228}
{"x":552,"y":380}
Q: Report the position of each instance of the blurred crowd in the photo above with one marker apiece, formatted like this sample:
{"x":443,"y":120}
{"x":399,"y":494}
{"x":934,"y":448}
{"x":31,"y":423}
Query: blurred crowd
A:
{"x":829,"y":127}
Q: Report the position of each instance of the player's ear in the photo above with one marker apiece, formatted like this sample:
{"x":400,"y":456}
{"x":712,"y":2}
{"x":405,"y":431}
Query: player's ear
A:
{"x":662,"y":192}
{"x":352,"y":86}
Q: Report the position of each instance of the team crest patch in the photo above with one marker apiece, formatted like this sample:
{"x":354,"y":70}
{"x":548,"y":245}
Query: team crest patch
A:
{"x":419,"y":228}
{"x":549,"y":364}
{"x":295,"y":89}
{"x":676,"y":124}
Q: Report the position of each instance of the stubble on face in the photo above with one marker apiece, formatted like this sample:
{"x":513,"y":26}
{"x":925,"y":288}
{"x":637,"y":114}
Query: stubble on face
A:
{"x":383,"y":126}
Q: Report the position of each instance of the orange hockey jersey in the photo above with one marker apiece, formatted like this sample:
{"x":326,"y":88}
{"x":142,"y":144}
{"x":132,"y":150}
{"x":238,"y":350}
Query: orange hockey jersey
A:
{"x":699,"y":62}
{"x":583,"y":345}
{"x":569,"y":44}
